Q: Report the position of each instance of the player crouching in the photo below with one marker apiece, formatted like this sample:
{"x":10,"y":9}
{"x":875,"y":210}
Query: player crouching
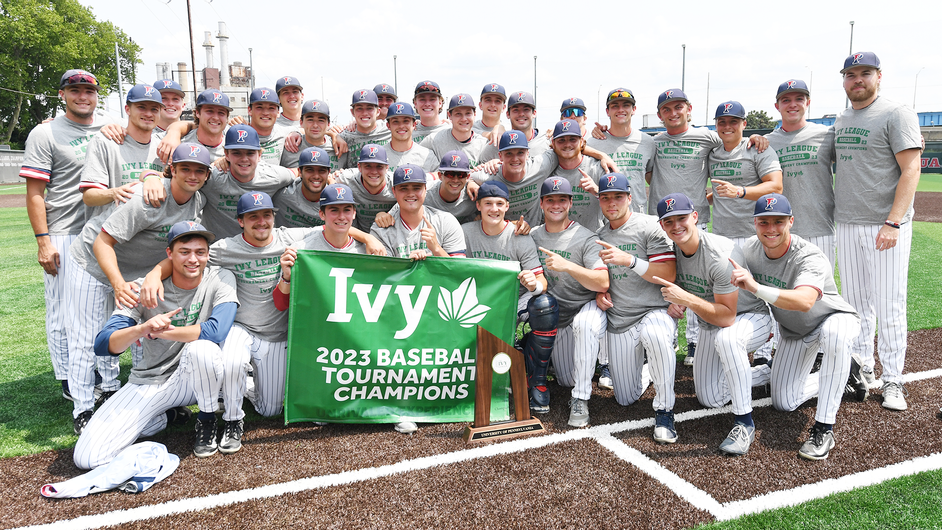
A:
{"x":796,"y":279}
{"x":182,"y":360}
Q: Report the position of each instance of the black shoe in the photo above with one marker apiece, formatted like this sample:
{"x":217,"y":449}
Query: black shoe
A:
{"x":104,"y":397}
{"x":179,"y":416}
{"x":856,"y":383}
{"x":65,"y":390}
{"x":759,"y":361}
{"x":691,"y":352}
{"x":79,"y":423}
{"x":205,"y":439}
{"x":231,"y":440}
{"x":816,"y":367}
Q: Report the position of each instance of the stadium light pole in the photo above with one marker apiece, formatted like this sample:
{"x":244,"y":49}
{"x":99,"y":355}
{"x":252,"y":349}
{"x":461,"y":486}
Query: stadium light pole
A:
{"x":916,"y":84}
{"x":189,"y":19}
{"x":598,"y":104}
{"x":534,"y":87}
{"x":683,"y":68}
{"x":847,"y":99}
{"x":810,"y":87}
{"x":395,"y":75}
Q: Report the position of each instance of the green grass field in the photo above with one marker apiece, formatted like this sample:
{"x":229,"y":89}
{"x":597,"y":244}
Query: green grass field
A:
{"x":930,"y":182}
{"x":34,"y":418}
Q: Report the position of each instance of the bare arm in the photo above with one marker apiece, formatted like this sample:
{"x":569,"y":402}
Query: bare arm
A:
{"x":909,"y":164}
{"x":36,"y":209}
{"x":593,"y":280}
{"x":721,"y":312}
{"x":125,"y":293}
{"x":801,"y":298}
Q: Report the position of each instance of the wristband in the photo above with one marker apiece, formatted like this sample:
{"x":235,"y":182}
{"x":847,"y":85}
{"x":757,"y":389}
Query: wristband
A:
{"x":538,"y":290}
{"x":151,"y":176}
{"x":743,"y":188}
{"x":285,"y":279}
{"x":769,"y":294}
{"x":47,"y":233}
{"x":639,"y":266}
{"x":891,"y":223}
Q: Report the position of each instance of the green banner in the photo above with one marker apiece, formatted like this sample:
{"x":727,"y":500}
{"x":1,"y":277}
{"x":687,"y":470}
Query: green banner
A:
{"x":381,"y":340}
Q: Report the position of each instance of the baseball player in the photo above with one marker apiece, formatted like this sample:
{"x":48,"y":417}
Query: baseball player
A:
{"x":448,"y":194}
{"x":365,"y":110}
{"x":797,"y":281}
{"x":52,"y":167}
{"x":174,"y":100}
{"x":428,"y":101}
{"x":493,"y":104}
{"x":291,"y":96}
{"x":732,"y":323}
{"x":182,"y":359}
{"x":521,"y":111}
{"x":210,"y":120}
{"x":402,"y":149}
{"x":435,"y":233}
{"x":114,"y":249}
{"x":581,"y":171}
{"x":385,"y":96}
{"x":636,"y":250}
{"x":263,"y":113}
{"x":574,"y":109}
{"x":315,"y":122}
{"x":297,"y":204}
{"x":461,"y":136}
{"x":806,"y":151}
{"x":371,"y":184}
{"x":632,"y":149}
{"x":575,"y":274}
{"x":877,"y":146}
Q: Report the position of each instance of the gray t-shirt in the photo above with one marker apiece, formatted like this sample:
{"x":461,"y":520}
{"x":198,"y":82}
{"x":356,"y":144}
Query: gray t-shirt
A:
{"x":401,"y":239}
{"x":290,"y":160}
{"x":140,"y":230}
{"x":257,"y":271}
{"x":55,"y":154}
{"x":215,"y":151}
{"x":422,"y":131}
{"x":294,"y":210}
{"x":356,"y":140}
{"x":803,"y":264}
{"x":577,"y":245}
{"x":479,"y":127}
{"x":222,"y":192}
{"x":866,"y":142}
{"x":284,"y":121}
{"x":273,"y":145}
{"x":316,"y":241}
{"x":806,"y":156}
{"x":680,"y":165}
{"x":368,"y":204}
{"x":634,"y":156}
{"x":478,"y":149}
{"x":463,"y":208}
{"x":418,"y":155}
{"x":633,"y":296}
{"x":110,"y":165}
{"x":539,"y":144}
{"x":585,"y":206}
{"x":505,"y":246}
{"x":708,"y":272}
{"x":161,"y":357}
{"x":525,"y":194}
{"x":732,"y":217}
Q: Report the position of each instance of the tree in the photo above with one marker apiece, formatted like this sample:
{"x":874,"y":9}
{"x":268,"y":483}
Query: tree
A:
{"x":758,"y":119}
{"x":41,"y":40}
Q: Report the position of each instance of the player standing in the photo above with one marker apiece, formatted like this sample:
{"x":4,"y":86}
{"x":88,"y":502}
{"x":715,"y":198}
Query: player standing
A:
{"x":315,"y":123}
{"x":461,"y":136}
{"x":574,"y":109}
{"x":581,"y":171}
{"x":174,"y":100}
{"x":428,"y":101}
{"x":521,"y":111}
{"x":493,"y":103}
{"x":263,"y":115}
{"x":211,"y":119}
{"x":365,"y":111}
{"x":385,"y":96}
{"x":371,"y":185}
{"x":402,"y":149}
{"x":291,"y":96}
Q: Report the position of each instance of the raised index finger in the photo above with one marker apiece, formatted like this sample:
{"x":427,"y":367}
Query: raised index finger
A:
{"x":662,"y":281}
{"x":543,"y":250}
{"x":604,"y":243}
{"x":735,"y":265}
{"x":174,"y":312}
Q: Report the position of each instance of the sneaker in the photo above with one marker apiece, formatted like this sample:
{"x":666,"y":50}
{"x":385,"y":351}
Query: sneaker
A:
{"x":605,"y":378}
{"x":65,"y":390}
{"x":104,"y":396}
{"x":664,"y":431}
{"x":856,"y":383}
{"x":738,"y":440}
{"x":894,"y":396}
{"x":818,"y":359}
{"x":760,"y":361}
{"x":539,"y":400}
{"x":578,"y":412}
{"x":231,"y":440}
{"x":406,"y":427}
{"x":691,"y":351}
{"x":819,"y":444}
{"x":79,"y":423}
{"x":205,"y":439}
{"x":869,"y":377}
{"x":179,"y":416}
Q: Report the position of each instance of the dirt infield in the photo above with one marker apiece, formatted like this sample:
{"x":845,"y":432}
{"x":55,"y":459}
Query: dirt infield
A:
{"x":572,"y":484}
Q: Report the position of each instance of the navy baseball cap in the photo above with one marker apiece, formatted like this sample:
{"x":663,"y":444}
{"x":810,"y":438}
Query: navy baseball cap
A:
{"x":263,"y":94}
{"x":383,"y":88}
{"x":212,"y":97}
{"x":187,"y":152}
{"x":521,"y":98}
{"x":287,"y":81}
{"x":315,"y":106}
{"x":460,"y":100}
{"x":566,"y":128}
{"x":364,"y":96}
{"x":493,"y":189}
{"x":572,"y":103}
{"x":313,"y":156}
{"x":78,"y":77}
{"x":428,"y":86}
{"x":611,"y":182}
{"x":169,"y":85}
{"x":242,"y":137}
{"x":792,"y":85}
{"x":336,"y":194}
{"x":730,"y":108}
{"x":188,"y":228}
{"x":773,"y":204}
{"x":455,"y":161}
{"x":373,"y":153}
{"x":555,"y":186}
{"x":513,"y":140}
{"x":408,"y":173}
{"x":669,"y":95}
{"x":494,"y":88}
{"x":673,"y":205}
{"x":253,"y":201}
{"x":400,"y":108}
{"x":861,"y":59}
{"x":144,"y":93}
{"x":623,"y":94}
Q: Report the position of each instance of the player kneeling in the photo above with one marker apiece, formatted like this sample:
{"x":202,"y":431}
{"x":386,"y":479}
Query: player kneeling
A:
{"x":811,"y":315}
{"x":182,"y":360}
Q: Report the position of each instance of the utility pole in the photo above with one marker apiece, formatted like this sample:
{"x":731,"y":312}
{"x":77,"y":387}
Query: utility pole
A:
{"x":117,"y":62}
{"x":847,"y":99}
{"x":683,"y":68}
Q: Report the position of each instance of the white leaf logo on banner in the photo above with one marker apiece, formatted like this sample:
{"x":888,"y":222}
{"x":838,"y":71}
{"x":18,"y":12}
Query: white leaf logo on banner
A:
{"x":462,"y":304}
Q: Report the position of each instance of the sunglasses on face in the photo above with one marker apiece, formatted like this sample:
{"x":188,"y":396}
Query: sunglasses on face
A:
{"x":573,"y":113}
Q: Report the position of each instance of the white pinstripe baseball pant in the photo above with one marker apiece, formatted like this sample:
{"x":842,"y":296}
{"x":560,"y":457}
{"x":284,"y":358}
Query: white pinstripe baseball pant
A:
{"x":654,"y":333}
{"x":875,"y":284}
{"x":721,"y":371}
{"x":764,"y":351}
{"x":138,"y":410}
{"x":269,"y":363}
{"x":56,"y":293}
{"x":792,"y":380}
{"x":577,"y":349}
